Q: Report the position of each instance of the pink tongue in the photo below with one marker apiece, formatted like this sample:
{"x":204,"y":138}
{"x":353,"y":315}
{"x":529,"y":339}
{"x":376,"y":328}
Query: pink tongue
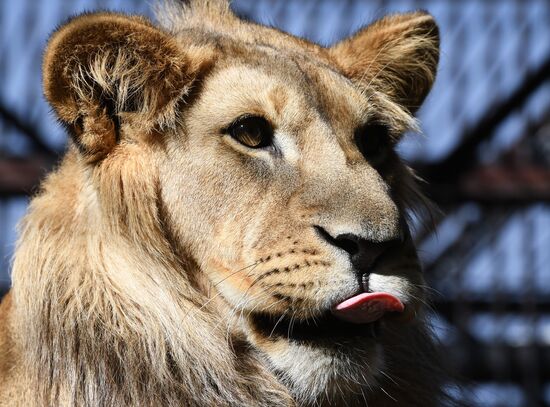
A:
{"x":367,"y":307}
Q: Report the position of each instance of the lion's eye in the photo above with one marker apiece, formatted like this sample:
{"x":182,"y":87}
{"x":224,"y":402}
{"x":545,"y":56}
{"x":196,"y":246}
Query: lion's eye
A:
{"x":373,"y":140}
{"x":252,"y":131}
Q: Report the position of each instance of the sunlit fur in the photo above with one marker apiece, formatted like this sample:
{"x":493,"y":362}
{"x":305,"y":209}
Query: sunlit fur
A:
{"x":147,"y":253}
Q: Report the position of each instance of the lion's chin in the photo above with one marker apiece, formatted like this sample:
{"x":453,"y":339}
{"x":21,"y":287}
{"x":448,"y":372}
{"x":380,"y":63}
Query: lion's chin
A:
{"x":322,"y":361}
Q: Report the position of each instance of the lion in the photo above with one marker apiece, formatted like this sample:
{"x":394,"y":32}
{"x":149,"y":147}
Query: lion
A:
{"x":229,"y":224}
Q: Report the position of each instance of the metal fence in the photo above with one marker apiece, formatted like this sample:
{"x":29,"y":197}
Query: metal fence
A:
{"x":486,"y":156}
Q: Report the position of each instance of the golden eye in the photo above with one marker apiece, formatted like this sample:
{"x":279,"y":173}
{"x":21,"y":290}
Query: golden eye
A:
{"x":252,"y":131}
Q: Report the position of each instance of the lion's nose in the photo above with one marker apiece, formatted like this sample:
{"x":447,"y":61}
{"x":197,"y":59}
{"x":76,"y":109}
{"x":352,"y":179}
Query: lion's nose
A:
{"x":363,"y":252}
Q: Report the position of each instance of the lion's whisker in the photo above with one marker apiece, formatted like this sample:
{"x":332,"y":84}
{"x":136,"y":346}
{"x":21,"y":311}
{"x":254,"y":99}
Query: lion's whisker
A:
{"x":219,"y":292}
{"x":277,"y":323}
{"x":235,"y":272}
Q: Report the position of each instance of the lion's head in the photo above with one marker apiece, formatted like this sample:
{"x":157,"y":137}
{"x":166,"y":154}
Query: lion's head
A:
{"x":225,"y":167}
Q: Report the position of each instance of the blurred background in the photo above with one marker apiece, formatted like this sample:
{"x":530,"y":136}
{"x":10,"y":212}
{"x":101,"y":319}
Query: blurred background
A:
{"x":485,"y":153}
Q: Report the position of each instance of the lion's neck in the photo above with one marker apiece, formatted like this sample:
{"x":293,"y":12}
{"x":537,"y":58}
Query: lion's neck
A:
{"x":111,"y":319}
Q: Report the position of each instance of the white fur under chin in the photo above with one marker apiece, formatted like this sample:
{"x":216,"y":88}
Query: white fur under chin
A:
{"x":315,"y":373}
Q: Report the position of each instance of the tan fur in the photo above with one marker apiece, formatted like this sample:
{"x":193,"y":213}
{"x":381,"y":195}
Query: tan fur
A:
{"x":147,"y":256}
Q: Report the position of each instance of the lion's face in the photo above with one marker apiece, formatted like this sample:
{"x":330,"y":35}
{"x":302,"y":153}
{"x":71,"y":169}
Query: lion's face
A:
{"x":270,"y":163}
{"x":281,"y":188}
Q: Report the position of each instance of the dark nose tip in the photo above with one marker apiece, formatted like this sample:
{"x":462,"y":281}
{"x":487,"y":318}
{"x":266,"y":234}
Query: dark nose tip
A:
{"x":363,"y":252}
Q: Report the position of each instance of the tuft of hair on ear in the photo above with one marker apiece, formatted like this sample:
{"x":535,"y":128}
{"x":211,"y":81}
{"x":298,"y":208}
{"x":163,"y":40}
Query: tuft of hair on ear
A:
{"x":181,"y":14}
{"x":397,"y":55}
{"x":101,"y":70}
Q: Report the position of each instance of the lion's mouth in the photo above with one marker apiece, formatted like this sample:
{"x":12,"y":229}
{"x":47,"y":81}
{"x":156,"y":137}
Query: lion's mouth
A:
{"x":357,"y":316}
{"x":323,"y":328}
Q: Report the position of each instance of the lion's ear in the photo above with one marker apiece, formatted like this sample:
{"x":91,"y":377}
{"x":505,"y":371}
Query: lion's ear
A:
{"x":397,"y":55}
{"x":103,"y":69}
